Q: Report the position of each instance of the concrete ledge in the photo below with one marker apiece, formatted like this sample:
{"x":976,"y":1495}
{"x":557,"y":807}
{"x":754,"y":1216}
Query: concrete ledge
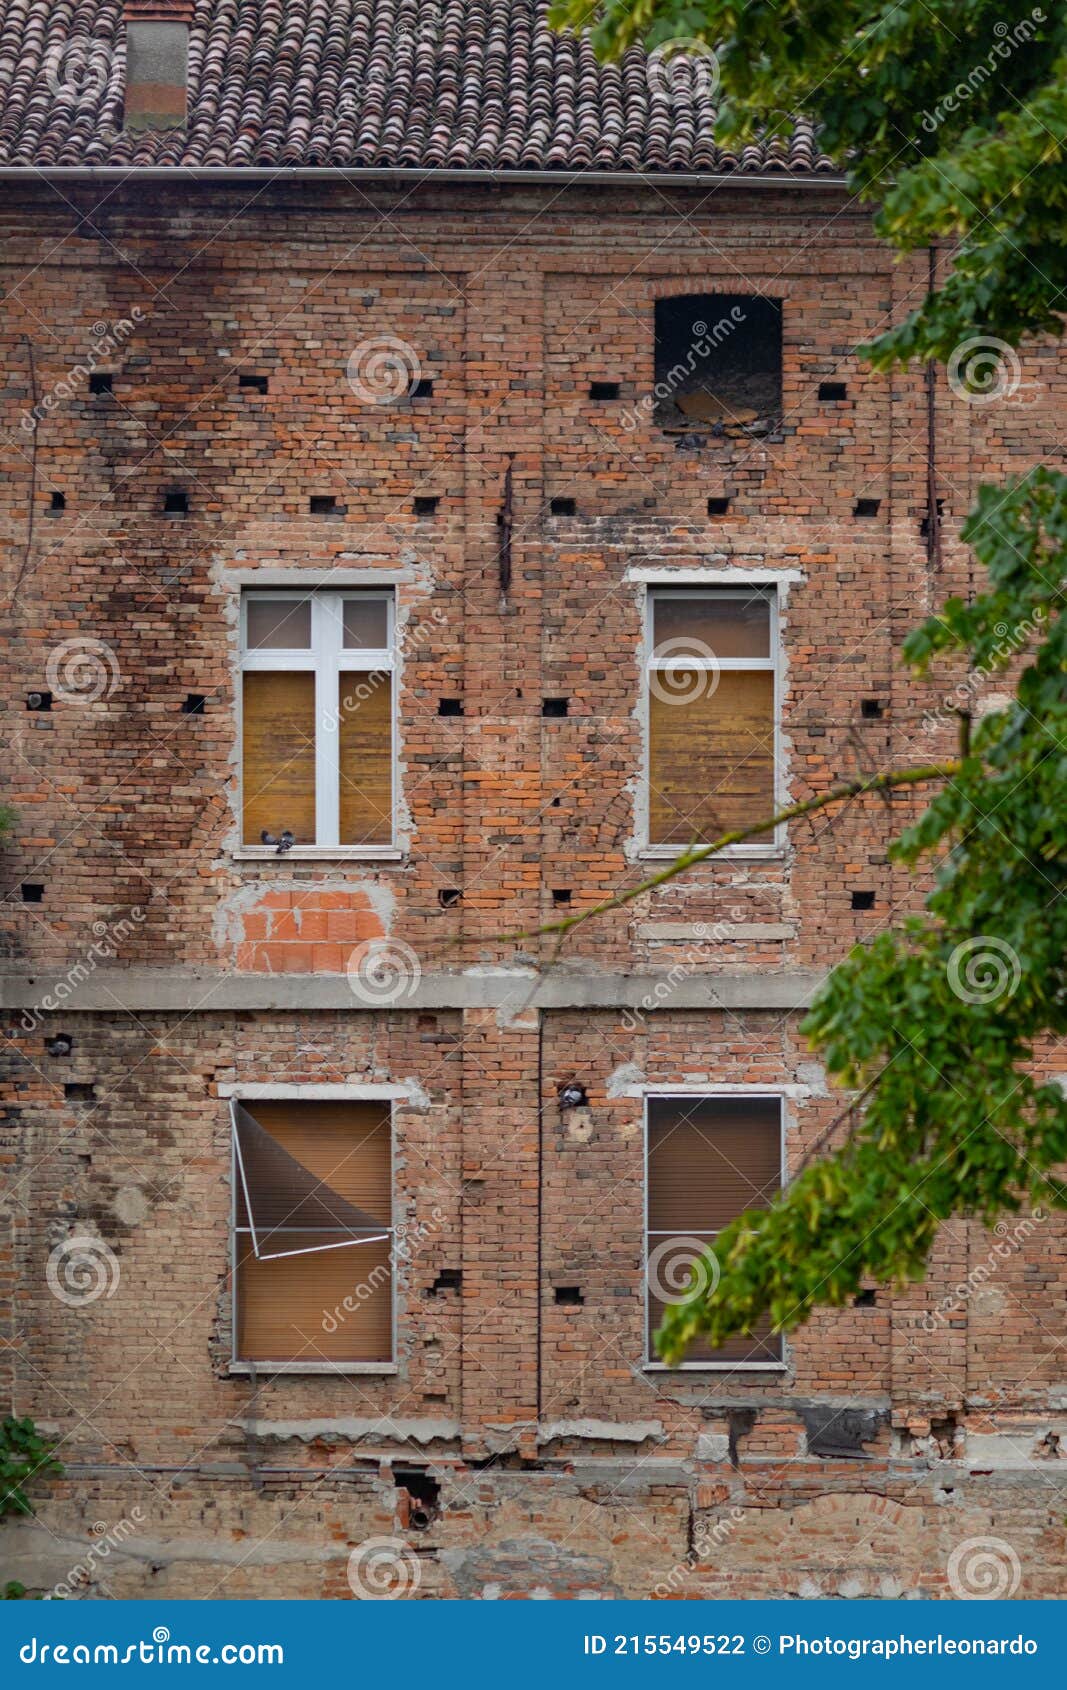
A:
{"x":109,"y":991}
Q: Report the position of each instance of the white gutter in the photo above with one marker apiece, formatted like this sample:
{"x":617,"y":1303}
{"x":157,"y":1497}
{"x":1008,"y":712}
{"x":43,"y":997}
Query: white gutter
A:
{"x":357,"y":173}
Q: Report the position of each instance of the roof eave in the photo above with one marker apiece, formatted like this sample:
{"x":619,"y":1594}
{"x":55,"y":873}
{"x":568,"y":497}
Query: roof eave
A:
{"x":354,"y":173}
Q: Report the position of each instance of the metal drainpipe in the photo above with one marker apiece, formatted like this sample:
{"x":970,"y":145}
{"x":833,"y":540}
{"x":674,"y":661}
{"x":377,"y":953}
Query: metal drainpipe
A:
{"x":933,"y":519}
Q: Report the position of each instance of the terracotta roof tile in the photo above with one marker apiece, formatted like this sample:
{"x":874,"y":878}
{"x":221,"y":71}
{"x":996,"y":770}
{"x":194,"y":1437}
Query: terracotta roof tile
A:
{"x":461,"y":84}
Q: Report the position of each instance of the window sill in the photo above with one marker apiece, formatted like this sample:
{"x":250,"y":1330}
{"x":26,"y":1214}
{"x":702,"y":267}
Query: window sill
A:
{"x":732,"y":853}
{"x":319,"y":854}
{"x":244,"y":1368}
{"x":716,"y":1367}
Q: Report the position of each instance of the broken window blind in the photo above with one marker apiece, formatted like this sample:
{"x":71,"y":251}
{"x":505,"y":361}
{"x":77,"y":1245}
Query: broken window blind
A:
{"x":313,"y":1209}
{"x":709,"y":1159}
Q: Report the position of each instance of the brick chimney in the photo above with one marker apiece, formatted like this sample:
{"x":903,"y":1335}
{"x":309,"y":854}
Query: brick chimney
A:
{"x":157,"y":62}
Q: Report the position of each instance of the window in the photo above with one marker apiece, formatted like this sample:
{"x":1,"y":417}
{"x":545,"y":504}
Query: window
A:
{"x":317,"y":718}
{"x":712,"y":714}
{"x":708,"y":1160}
{"x":313,"y":1233}
{"x":718,"y":364}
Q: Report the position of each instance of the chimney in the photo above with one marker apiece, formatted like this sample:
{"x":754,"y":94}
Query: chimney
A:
{"x":157,"y":62}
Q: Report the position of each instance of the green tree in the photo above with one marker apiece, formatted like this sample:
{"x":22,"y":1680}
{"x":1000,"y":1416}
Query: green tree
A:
{"x":951,"y":116}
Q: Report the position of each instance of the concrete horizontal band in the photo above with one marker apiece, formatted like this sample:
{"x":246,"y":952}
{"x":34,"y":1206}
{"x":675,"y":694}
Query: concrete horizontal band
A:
{"x":111,"y":991}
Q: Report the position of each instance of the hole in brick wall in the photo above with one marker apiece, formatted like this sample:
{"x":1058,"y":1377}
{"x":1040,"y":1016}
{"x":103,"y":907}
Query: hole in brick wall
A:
{"x":555,"y":804}
{"x":834,"y":391}
{"x":865,"y":1300}
{"x":79,"y":1091}
{"x":866,"y":507}
{"x":424,"y":1492}
{"x":252,"y":384}
{"x":32,"y":893}
{"x":603,"y":390}
{"x":60,"y":1045}
{"x":718,"y":363}
{"x":719,"y":505}
{"x":38,"y":701}
{"x":569,"y":1296}
{"x":176,"y":502}
{"x":449,"y":1279}
{"x":425,"y":504}
{"x":555,"y":707}
{"x":924,"y":526}
{"x":57,"y":503}
{"x":100,"y":382}
{"x":863,"y":900}
{"x":563,"y":507}
{"x":194,"y":704}
{"x":450,"y":707}
{"x":449,"y":896}
{"x":870,"y":709}
{"x":561,"y":895}
{"x":324,"y":504}
{"x":573,"y":1095}
{"x":422,"y":389}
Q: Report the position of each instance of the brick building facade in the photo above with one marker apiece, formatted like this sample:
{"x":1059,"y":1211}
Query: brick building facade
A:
{"x":203,"y":412}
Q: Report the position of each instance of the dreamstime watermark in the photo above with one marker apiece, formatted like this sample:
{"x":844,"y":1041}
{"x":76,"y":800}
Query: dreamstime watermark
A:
{"x":707,"y":1539}
{"x":984,"y":1569}
{"x":668,"y":983}
{"x":383,"y":369}
{"x":105,"y":946}
{"x":682,"y":671}
{"x":412,"y":638}
{"x":700,"y":349}
{"x":105,"y":340}
{"x":984,"y":969}
{"x":984,"y":370}
{"x":1010,"y":1240}
{"x":682,"y":1270}
{"x":81,"y":1270}
{"x":964,"y":697}
{"x":700,"y":63}
{"x":81,"y":64}
{"x":82,"y":669}
{"x":1008,"y":38}
{"x":383,"y":1569}
{"x":406,"y":1239}
{"x":383,"y":971}
{"x":105,"y":1539}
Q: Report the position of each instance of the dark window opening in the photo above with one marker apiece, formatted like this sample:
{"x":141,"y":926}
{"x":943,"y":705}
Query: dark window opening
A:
{"x":424,"y":1496}
{"x":57,"y":503}
{"x":561,"y":895}
{"x":449,"y":1279}
{"x":176,"y":502}
{"x":79,"y":1091}
{"x":61,"y":1045}
{"x":100,"y":383}
{"x":718,"y":506}
{"x":569,"y":1297}
{"x":555,"y":707}
{"x":603,"y":390}
{"x":32,"y":893}
{"x":38,"y":701}
{"x":194,"y":704}
{"x":422,"y":389}
{"x":450,"y":707}
{"x":863,"y":900}
{"x":426,"y":504}
{"x":871,"y":709}
{"x":834,"y":391}
{"x":324,"y":504}
{"x":718,"y":363}
{"x":253,"y":384}
{"x":563,"y":507}
{"x":867,"y":507}
{"x":449,"y":896}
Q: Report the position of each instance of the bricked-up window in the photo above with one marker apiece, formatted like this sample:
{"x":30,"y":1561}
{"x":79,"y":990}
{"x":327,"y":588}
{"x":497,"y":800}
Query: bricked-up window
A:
{"x":712,"y":713}
{"x":318,"y":718}
{"x":313,"y":1232}
{"x":709,"y":1159}
{"x":718,"y":364}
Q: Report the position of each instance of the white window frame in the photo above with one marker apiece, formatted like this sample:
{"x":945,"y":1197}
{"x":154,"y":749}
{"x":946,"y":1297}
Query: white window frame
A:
{"x":754,"y":1094}
{"x":701,"y":587}
{"x":388,"y":1096}
{"x":328,"y":658}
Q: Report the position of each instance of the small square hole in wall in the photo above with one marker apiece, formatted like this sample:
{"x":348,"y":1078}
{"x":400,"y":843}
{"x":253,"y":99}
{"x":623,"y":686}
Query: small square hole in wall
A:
{"x":79,"y":1091}
{"x":449,"y":1279}
{"x":421,"y":389}
{"x":719,"y":505}
{"x":425,"y":504}
{"x":32,"y":893}
{"x":324,"y":504}
{"x":834,"y":391}
{"x":194,"y":704}
{"x":863,"y":900}
{"x":57,"y":503}
{"x":569,"y":1297}
{"x":176,"y":502}
{"x":554,"y":708}
{"x":563,"y":507}
{"x":60,"y":1045}
{"x":866,"y":507}
{"x":252,"y":384}
{"x":924,"y":526}
{"x":450,"y":707}
{"x":871,"y":709}
{"x":561,"y":895}
{"x":100,"y":382}
{"x":449,"y":896}
{"x":603,"y":390}
{"x":38,"y":701}
{"x":865,"y":1300}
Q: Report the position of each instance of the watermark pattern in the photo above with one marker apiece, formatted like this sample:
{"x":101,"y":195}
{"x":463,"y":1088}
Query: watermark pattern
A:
{"x":682,"y":1270}
{"x":105,"y":340}
{"x":105,"y":1539}
{"x":382,"y":971}
{"x":82,"y":669}
{"x":405,"y":1241}
{"x":81,"y":64}
{"x":81,"y":1270}
{"x":701,"y":62}
{"x":105,"y":946}
{"x":683,"y":670}
{"x":704,"y":342}
{"x":983,"y":370}
{"x":668,"y":983}
{"x":984,"y":970}
{"x":1010,"y":1240}
{"x":383,"y":1569}
{"x":1008,"y":37}
{"x":964,"y":697}
{"x":383,"y":370}
{"x":707,"y":1539}
{"x":984,"y":1569}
